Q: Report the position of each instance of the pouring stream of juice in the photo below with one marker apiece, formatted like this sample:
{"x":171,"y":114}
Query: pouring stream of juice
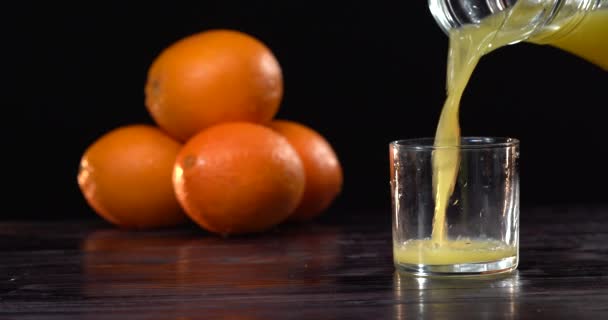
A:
{"x":467,"y":45}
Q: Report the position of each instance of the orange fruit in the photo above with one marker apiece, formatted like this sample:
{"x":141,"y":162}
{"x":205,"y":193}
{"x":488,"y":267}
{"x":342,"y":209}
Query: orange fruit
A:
{"x":125,"y":176}
{"x":212,"y":77}
{"x":237,"y":178}
{"x":321,"y":165}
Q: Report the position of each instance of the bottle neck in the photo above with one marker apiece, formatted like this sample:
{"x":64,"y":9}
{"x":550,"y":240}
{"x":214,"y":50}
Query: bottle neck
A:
{"x":556,"y":18}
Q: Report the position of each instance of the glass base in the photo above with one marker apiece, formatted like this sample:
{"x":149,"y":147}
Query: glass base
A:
{"x":465,"y":269}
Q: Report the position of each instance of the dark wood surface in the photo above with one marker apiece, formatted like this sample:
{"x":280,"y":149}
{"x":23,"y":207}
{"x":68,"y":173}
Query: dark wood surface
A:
{"x":329,"y":269}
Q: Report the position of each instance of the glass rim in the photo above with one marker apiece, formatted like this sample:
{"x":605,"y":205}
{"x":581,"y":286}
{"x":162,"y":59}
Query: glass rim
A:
{"x":467,"y":143}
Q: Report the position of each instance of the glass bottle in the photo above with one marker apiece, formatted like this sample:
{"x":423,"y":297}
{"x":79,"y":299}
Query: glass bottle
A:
{"x":576,"y":26}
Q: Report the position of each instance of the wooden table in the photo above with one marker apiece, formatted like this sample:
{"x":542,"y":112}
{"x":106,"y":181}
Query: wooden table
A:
{"x":330,"y":269}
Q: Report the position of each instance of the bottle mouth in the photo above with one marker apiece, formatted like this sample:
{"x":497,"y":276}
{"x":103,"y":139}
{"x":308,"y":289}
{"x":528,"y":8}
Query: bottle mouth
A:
{"x":452,"y":14}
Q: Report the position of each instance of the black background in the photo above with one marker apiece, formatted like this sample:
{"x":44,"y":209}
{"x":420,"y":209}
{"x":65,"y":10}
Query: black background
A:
{"x":361,"y":73}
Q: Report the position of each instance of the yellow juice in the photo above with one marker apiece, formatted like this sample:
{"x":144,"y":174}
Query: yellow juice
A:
{"x":467,"y":45}
{"x":452,"y":252}
{"x":589,"y":40}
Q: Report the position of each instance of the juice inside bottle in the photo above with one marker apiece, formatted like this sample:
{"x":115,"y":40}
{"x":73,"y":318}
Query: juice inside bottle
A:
{"x":589,"y":39}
